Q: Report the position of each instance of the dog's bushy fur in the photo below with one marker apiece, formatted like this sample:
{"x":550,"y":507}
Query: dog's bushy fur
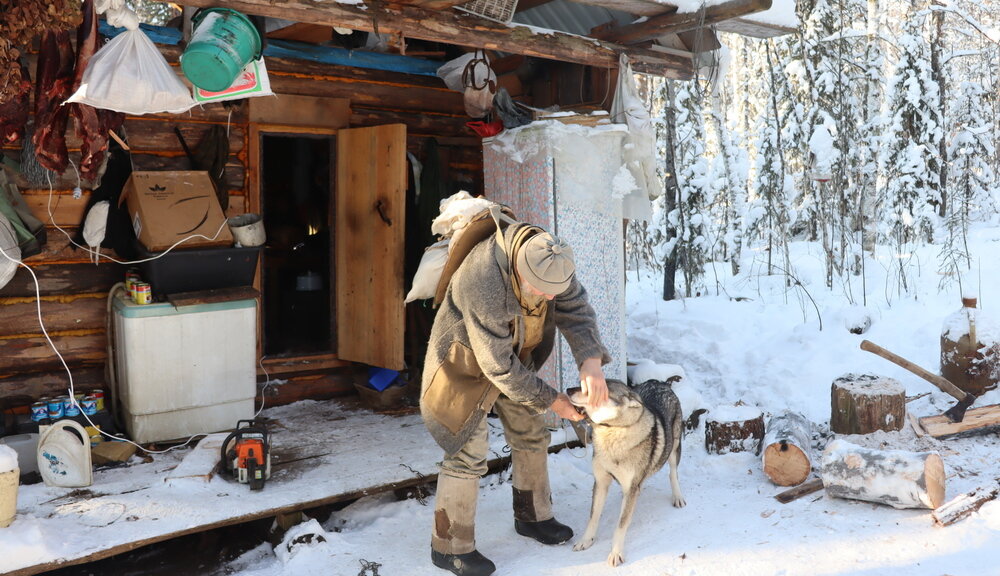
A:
{"x":635,"y":433}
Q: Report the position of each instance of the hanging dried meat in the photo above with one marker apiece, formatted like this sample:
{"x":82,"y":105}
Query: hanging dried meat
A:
{"x":53,"y":85}
{"x":20,"y":22}
{"x":92,"y":124}
{"x":14,"y":109}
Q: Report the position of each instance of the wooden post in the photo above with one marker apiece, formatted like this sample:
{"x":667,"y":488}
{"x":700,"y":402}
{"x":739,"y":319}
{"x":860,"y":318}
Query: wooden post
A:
{"x":787,"y":440}
{"x":864,"y":403}
{"x":734,"y":429}
{"x":898,"y":478}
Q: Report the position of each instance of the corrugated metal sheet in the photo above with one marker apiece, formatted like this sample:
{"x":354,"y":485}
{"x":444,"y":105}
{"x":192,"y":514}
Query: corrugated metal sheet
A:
{"x":570,"y":17}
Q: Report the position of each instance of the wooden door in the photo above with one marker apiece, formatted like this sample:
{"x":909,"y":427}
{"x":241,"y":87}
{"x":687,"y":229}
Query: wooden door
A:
{"x":370,"y":225}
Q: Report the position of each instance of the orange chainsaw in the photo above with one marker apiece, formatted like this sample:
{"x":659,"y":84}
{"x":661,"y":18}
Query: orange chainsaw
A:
{"x":246,"y":453}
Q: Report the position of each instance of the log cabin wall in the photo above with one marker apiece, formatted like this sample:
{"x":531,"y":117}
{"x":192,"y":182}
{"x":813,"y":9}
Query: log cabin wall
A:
{"x":73,"y":291}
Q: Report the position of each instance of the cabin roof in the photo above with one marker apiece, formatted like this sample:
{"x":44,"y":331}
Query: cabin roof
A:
{"x":656,"y":36}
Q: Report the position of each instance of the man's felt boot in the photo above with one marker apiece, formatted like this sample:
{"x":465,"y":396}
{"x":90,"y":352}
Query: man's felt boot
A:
{"x":549,"y":531}
{"x":468,"y":564}
{"x":533,"y":499}
{"x":453,"y":541}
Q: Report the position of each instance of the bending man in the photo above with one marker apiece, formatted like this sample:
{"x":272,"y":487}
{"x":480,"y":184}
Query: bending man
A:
{"x":496,"y":326}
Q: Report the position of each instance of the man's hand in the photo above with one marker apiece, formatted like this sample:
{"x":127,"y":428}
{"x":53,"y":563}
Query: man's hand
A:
{"x":592,"y":381}
{"x":565,"y":409}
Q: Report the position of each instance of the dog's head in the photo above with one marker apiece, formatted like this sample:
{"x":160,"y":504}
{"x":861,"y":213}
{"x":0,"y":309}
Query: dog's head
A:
{"x":622,"y":408}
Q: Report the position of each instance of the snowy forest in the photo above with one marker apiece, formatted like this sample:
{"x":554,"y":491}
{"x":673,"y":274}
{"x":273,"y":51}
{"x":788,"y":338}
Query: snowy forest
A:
{"x":874,"y":127}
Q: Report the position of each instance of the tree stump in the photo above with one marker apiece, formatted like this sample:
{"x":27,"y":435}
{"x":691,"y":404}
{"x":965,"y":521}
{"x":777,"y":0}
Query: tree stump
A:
{"x":787,"y":460}
{"x":897,"y":478}
{"x":864,"y":403}
{"x":734,"y":429}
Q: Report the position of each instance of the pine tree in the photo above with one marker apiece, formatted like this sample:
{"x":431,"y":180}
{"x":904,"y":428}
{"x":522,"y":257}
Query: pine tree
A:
{"x":911,"y":164}
{"x":693,"y":186}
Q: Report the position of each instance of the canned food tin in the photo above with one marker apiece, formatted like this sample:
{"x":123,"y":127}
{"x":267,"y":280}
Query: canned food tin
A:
{"x":143,"y":293}
{"x":39,"y":411}
{"x":71,"y":408}
{"x":88,"y":406}
{"x":56,"y":409}
{"x":98,"y":396}
{"x":131,"y":277}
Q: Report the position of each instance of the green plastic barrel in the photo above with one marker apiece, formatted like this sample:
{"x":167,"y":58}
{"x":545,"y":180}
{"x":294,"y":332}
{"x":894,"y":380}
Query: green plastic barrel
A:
{"x":223,"y":42}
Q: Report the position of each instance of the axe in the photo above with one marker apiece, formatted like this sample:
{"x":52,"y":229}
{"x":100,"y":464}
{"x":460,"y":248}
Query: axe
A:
{"x":957,"y":412}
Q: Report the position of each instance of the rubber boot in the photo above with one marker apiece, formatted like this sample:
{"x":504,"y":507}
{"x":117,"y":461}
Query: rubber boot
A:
{"x":533,"y":499}
{"x":453,"y":541}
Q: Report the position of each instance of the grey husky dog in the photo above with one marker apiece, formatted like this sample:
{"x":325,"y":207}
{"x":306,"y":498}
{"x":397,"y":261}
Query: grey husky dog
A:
{"x":635,"y":432}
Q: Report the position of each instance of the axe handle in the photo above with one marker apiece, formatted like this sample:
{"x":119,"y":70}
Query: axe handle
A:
{"x":943,"y":384}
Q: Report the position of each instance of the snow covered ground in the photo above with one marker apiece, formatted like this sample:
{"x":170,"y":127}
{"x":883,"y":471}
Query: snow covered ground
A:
{"x":755,"y":342}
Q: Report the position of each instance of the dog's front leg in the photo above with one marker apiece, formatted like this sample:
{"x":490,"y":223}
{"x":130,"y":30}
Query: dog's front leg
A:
{"x":629,"y":498}
{"x":602,"y":481}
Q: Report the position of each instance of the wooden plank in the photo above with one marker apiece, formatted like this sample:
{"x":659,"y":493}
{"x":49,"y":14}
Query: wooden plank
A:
{"x":674,"y":22}
{"x":463,"y":30}
{"x":976,"y":421}
{"x":213,"y":296}
{"x":299,"y":110}
{"x":371,"y":223}
{"x":198,"y":466}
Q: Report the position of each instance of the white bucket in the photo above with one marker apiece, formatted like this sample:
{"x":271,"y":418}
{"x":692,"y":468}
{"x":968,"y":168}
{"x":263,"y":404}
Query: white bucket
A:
{"x":247,"y":229}
{"x":8,"y":496}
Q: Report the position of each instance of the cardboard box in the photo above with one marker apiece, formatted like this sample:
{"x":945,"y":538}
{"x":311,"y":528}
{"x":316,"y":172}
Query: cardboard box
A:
{"x":166,"y":207}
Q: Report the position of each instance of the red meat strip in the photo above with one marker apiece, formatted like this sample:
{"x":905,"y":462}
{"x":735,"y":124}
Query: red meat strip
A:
{"x":54,"y":83}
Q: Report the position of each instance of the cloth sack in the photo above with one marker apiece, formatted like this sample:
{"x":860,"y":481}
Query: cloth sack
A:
{"x":425,"y":280}
{"x":130,"y":75}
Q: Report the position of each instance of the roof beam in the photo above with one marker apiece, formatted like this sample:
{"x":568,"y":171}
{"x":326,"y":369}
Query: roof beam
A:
{"x":452,"y":27}
{"x":673,"y":22}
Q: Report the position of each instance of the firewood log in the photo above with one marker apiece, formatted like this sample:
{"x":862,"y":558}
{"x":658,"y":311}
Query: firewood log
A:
{"x":864,"y":403}
{"x":898,"y":478}
{"x":787,"y":460}
{"x":965,"y":504}
{"x":734,"y":429}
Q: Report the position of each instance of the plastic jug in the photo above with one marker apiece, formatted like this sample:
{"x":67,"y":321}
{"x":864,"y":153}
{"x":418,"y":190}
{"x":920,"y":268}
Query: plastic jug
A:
{"x":26,"y":446}
{"x":64,"y":455}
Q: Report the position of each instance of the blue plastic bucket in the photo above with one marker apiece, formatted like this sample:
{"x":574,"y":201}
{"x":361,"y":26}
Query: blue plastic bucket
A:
{"x":223,"y":42}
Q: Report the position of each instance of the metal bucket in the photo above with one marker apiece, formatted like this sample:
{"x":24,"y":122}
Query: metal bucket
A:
{"x":247,"y":229}
{"x":222,"y":43}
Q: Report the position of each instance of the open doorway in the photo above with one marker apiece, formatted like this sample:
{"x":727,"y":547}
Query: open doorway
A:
{"x":296,"y":179}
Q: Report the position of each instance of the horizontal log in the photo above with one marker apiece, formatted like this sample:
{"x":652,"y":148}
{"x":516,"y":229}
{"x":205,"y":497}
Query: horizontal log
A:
{"x":675,"y":22}
{"x":336,"y":383}
{"x":54,"y":383}
{"x":159,"y":136}
{"x":459,"y":29}
{"x":416,"y":124}
{"x":86,"y":348}
{"x":897,"y":478}
{"x":60,"y":314}
{"x":64,"y":279}
{"x":416,"y":99}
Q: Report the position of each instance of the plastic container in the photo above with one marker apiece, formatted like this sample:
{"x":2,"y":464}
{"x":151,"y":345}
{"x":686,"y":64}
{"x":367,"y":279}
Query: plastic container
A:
{"x":25,"y":445}
{"x":64,"y":455}
{"x":199,"y":269}
{"x":8,"y":496}
{"x":222,"y":43}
